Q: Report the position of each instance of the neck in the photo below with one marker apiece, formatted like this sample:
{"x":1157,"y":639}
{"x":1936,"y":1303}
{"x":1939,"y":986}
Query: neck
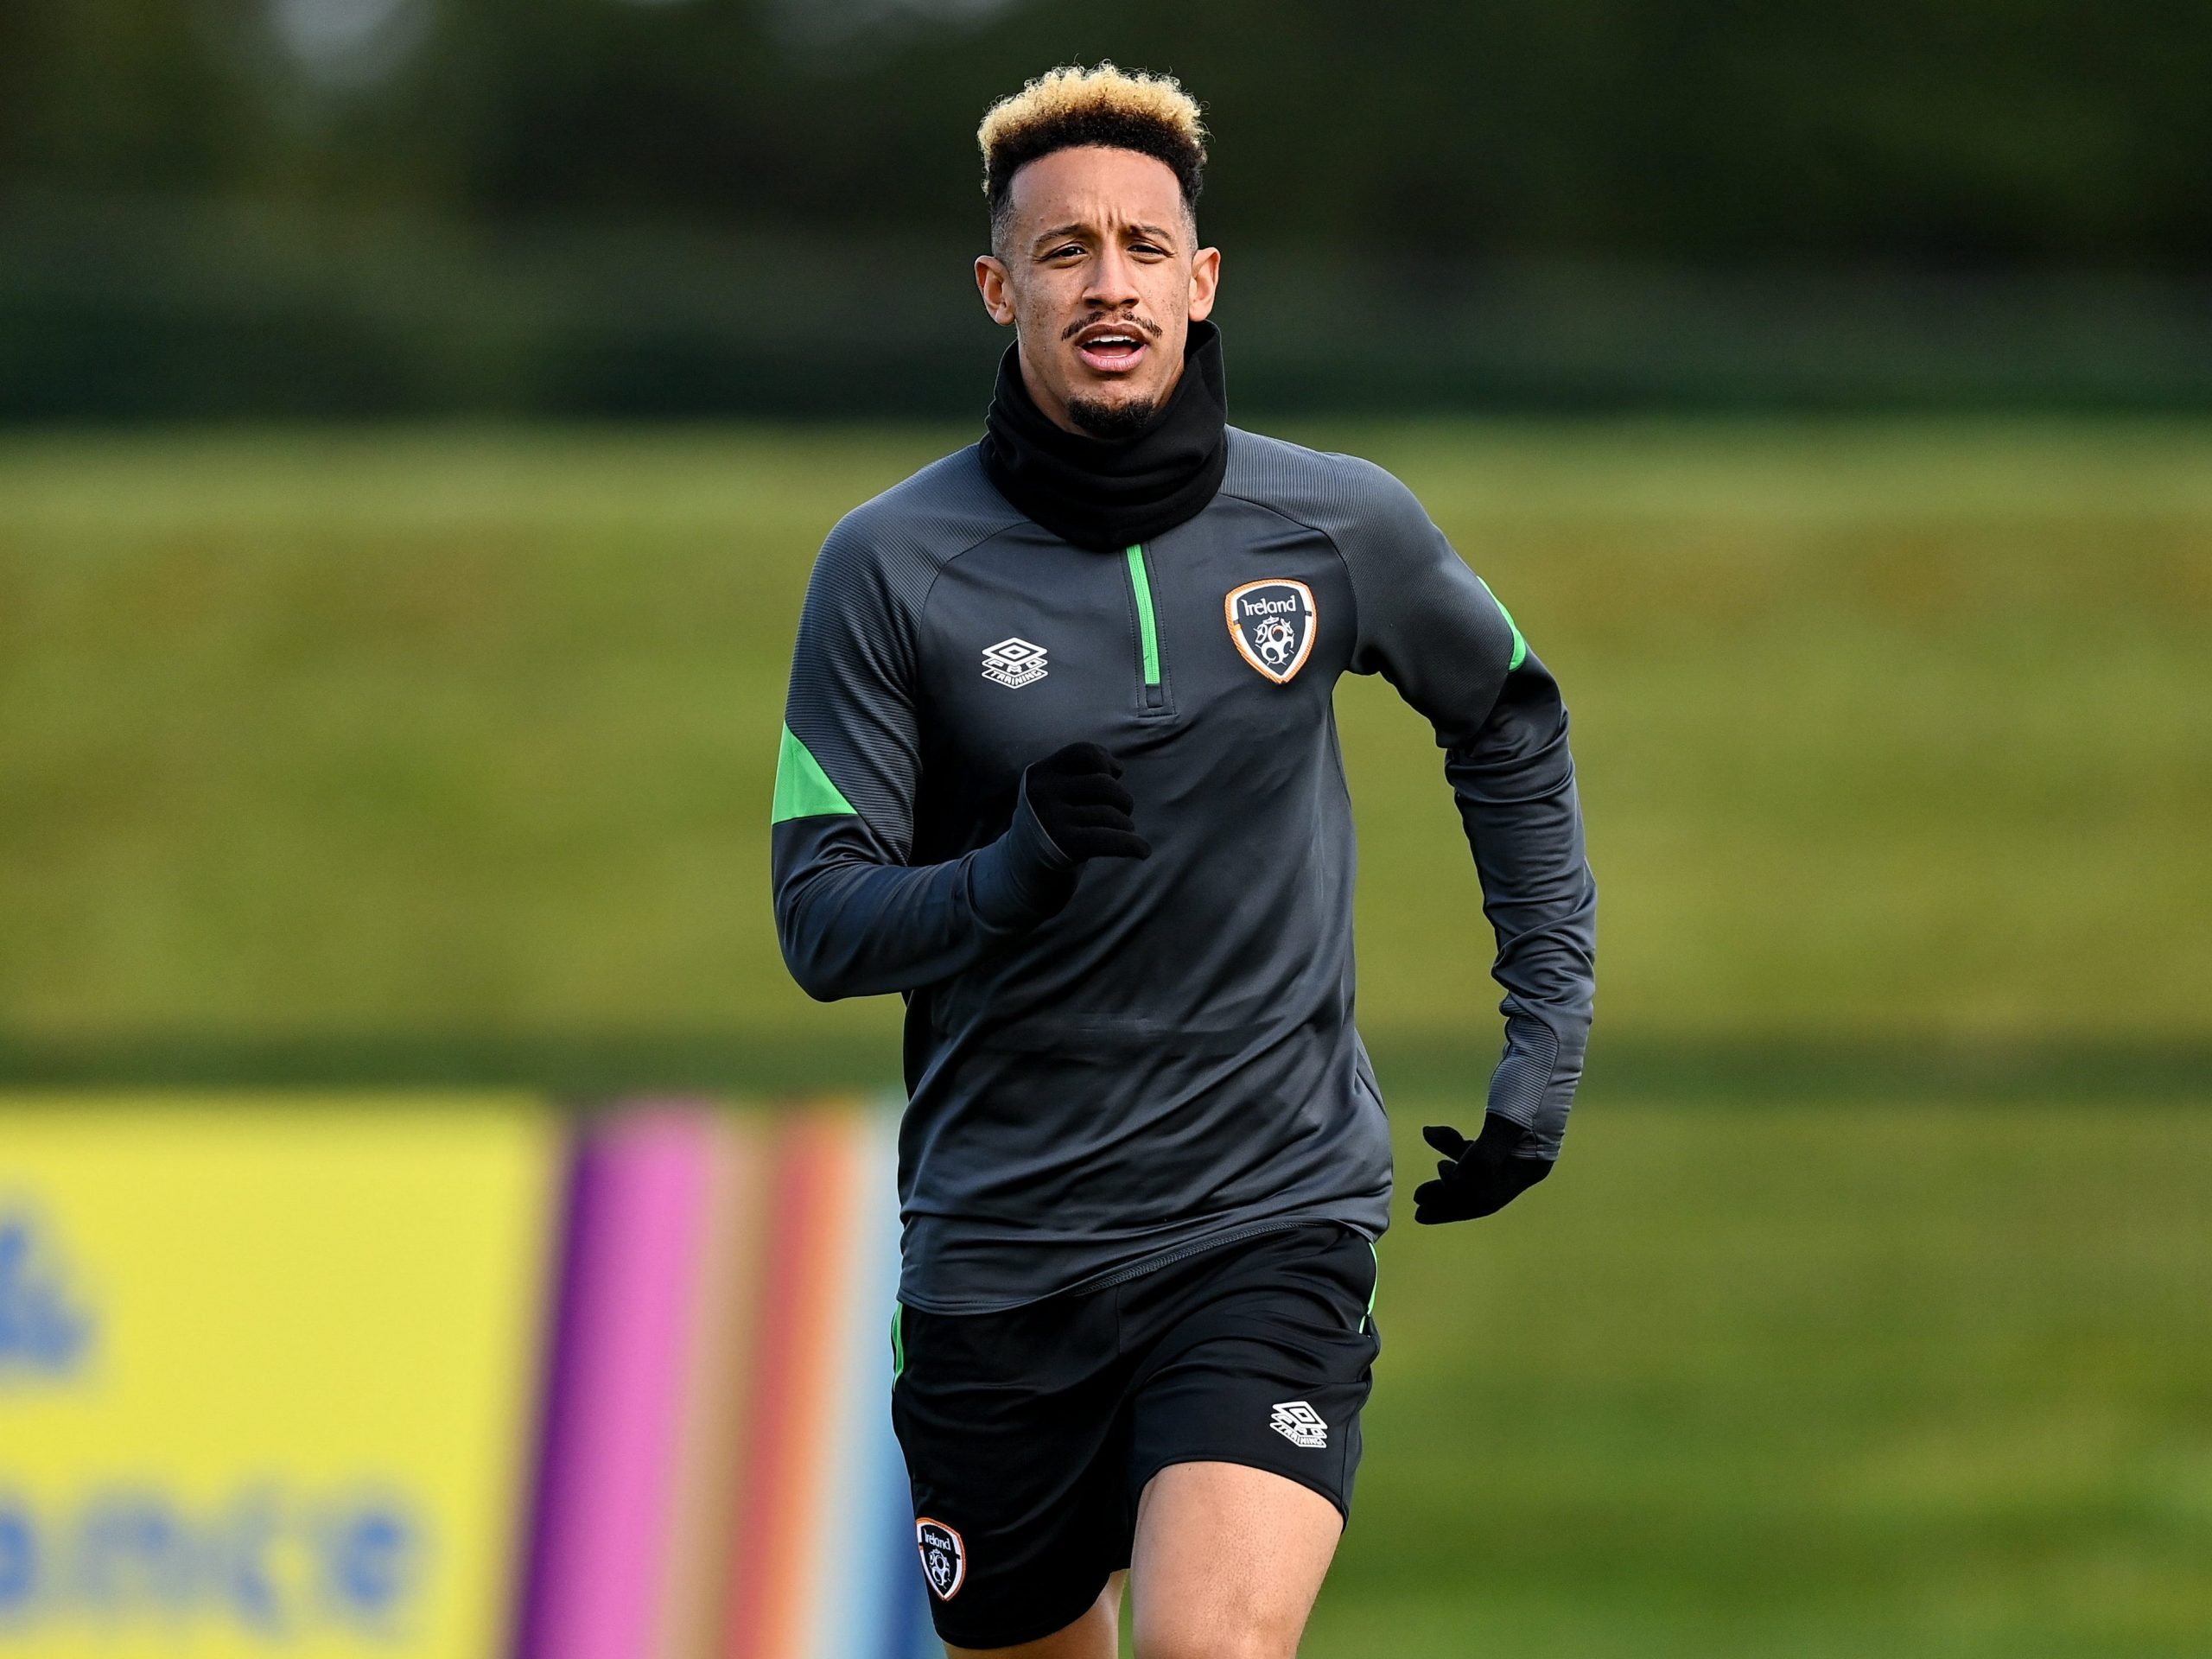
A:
{"x":1054,"y":408}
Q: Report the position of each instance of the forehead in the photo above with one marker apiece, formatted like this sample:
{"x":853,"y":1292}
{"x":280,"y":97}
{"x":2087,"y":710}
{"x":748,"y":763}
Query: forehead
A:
{"x":1093,"y":184}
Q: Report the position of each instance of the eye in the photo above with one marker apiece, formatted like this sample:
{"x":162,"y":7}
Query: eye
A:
{"x":1070,"y":251}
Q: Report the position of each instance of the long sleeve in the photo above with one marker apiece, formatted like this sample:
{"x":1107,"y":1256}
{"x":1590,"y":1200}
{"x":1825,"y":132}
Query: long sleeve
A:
{"x":1430,"y":626}
{"x":854,"y":919}
{"x":1515,"y":784}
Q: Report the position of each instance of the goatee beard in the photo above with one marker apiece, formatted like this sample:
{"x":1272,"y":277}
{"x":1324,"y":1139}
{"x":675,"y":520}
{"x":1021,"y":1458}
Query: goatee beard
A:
{"x":1112,"y":422}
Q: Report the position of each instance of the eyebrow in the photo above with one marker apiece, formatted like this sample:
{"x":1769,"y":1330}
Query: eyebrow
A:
{"x":1158,"y":233}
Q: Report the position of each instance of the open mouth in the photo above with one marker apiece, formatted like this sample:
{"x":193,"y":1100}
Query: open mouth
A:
{"x":1110,"y":349}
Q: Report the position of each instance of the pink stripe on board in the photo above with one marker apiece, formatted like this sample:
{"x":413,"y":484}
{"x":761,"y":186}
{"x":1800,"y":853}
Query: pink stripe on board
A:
{"x":639,"y":1221}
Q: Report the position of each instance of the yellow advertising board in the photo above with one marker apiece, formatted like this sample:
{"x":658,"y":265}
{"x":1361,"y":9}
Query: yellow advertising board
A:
{"x":268,"y":1373}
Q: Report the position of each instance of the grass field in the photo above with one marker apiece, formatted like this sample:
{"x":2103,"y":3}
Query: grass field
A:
{"x":1884,"y":731}
{"x":1890,"y":736}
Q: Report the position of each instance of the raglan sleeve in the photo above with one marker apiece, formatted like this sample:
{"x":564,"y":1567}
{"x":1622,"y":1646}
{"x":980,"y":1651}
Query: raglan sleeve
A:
{"x":1431,"y":627}
{"x":854,"y":916}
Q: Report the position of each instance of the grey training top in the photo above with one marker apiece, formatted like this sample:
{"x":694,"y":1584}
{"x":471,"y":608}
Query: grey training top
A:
{"x":1168,"y":1062}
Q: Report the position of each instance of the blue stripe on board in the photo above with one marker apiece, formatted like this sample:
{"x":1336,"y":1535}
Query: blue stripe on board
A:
{"x":846,"y":1618}
{"x":904,"y":1602}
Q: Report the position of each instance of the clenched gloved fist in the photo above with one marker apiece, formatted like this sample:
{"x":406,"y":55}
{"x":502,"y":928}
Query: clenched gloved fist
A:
{"x":1479,"y":1177}
{"x":1078,"y":801}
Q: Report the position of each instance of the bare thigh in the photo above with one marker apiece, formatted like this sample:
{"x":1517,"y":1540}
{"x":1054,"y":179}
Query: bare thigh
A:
{"x":1228,"y":1561}
{"x":1097,"y":1635}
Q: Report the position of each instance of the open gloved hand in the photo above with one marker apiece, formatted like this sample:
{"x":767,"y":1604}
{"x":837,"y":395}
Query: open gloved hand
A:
{"x":1077,"y":796}
{"x":1479,"y":1177}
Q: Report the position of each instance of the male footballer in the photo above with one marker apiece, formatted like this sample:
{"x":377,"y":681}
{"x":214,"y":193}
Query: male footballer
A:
{"x":1059,"y":767}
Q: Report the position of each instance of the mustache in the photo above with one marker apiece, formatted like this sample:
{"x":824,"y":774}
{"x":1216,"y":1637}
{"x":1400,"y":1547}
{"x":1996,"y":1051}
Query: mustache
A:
{"x":1135,"y":321}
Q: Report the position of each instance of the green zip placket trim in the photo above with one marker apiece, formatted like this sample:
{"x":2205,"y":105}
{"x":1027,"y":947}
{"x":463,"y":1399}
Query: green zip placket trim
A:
{"x":1147,"y":630}
{"x":1154,"y":697}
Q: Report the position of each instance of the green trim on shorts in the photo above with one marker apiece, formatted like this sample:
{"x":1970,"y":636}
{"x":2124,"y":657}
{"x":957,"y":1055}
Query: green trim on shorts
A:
{"x":897,"y":1340}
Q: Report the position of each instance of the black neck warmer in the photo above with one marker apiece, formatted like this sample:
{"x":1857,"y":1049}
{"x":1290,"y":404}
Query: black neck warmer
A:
{"x":1106,"y":493}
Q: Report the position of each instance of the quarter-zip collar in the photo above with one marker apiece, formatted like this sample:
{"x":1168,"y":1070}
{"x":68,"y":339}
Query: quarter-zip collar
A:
{"x":1112,"y":493}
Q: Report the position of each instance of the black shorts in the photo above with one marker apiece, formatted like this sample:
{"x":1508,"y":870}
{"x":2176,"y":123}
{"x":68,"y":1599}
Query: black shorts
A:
{"x":1030,"y":1433}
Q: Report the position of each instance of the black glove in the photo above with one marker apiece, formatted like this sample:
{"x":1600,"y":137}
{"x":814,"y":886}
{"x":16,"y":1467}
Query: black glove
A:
{"x":1079,"y":803}
{"x":1476,"y":1178}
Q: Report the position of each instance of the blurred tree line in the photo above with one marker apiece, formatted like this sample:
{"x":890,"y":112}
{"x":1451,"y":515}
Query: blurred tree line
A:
{"x":523,"y":165}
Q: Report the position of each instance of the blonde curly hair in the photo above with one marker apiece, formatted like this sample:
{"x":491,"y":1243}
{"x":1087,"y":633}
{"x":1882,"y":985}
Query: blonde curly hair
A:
{"x":1070,"y":106}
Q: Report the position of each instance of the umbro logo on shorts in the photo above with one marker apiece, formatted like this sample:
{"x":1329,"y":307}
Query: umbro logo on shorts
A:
{"x":944,"y":1557}
{"x":1014,"y":662}
{"x":1301,"y":1424}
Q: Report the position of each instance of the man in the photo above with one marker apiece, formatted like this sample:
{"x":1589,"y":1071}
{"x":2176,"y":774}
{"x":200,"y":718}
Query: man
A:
{"x":1059,"y":766}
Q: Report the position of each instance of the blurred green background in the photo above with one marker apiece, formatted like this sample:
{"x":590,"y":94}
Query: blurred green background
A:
{"x":417,"y":418}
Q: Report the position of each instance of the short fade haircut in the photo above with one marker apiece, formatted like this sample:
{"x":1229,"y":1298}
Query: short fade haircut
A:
{"x":1071,"y":106}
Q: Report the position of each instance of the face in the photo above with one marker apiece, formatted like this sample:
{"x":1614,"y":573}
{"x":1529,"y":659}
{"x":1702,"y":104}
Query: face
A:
{"x":1097,"y":271}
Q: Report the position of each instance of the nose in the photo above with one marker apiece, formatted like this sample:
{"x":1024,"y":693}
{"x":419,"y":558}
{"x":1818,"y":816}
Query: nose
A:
{"x":1113,"y":280}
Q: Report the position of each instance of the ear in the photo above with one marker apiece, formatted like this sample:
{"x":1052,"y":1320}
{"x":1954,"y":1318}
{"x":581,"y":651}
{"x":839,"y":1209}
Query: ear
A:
{"x":996,"y":285}
{"x":1205,"y":282}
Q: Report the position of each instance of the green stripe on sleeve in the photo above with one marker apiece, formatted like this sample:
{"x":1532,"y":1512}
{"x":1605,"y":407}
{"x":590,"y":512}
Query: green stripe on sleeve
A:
{"x":803,"y":789}
{"x":1520,"y":646}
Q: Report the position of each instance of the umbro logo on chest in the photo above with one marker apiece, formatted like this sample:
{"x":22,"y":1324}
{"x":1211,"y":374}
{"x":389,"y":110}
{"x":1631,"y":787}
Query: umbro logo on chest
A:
{"x":1014,"y":662}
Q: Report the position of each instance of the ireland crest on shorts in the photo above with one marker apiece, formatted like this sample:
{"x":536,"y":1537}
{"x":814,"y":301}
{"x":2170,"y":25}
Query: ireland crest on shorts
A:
{"x":944,"y":1557}
{"x":1272,"y":623}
